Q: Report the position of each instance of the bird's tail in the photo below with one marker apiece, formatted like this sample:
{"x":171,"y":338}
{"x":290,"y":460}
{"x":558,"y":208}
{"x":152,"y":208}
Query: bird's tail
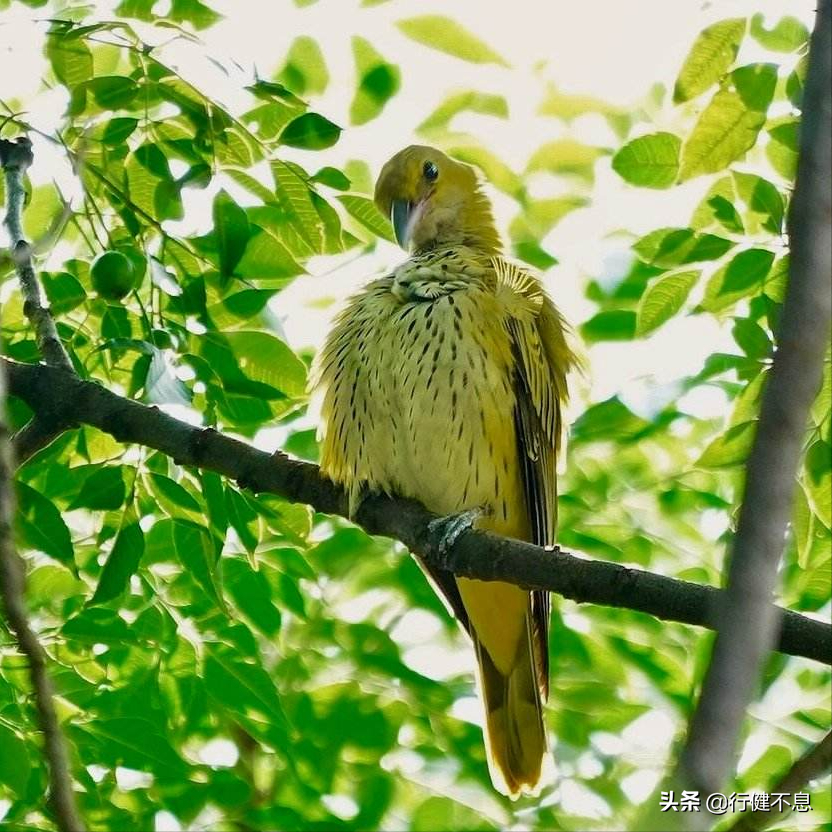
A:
{"x":515,"y":735}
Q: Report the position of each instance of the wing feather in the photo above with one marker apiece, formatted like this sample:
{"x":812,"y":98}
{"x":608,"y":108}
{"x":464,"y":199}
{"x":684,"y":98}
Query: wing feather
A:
{"x":542,"y":361}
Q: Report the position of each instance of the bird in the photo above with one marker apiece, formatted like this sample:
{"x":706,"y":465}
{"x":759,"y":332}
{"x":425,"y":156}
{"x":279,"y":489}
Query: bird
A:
{"x":445,"y":381}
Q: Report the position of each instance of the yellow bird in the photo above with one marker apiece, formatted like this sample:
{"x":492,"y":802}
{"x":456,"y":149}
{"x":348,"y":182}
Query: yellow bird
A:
{"x":443,"y":381}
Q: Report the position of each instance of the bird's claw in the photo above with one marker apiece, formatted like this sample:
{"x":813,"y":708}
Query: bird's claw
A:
{"x":447,"y":530}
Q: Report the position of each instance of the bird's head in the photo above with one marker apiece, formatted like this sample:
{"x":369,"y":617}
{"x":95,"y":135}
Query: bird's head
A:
{"x":432,"y":200}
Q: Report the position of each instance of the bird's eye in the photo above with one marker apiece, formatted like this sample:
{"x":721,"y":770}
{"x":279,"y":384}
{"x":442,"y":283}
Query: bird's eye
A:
{"x":430,"y":171}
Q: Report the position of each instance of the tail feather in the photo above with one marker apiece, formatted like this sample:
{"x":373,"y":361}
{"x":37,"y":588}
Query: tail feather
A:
{"x":515,"y":734}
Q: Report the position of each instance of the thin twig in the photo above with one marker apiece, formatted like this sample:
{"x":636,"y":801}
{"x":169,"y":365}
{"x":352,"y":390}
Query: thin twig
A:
{"x":63,"y":398}
{"x":813,"y":764}
{"x":12,"y":583}
{"x":748,"y":626}
{"x":15,"y":158}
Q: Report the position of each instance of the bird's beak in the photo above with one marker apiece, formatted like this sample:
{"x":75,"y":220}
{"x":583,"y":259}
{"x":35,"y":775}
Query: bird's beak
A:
{"x":400,"y":212}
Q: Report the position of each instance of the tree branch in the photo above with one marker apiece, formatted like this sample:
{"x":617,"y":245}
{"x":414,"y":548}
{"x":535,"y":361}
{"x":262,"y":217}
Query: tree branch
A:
{"x":65,"y":399}
{"x":15,"y":158}
{"x":814,"y":763}
{"x":748,"y":618}
{"x":12,"y":593}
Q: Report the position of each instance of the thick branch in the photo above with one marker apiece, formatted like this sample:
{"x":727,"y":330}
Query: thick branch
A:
{"x":813,"y":764}
{"x":65,"y":399}
{"x":15,"y":158}
{"x":748,"y":626}
{"x":12,"y":594}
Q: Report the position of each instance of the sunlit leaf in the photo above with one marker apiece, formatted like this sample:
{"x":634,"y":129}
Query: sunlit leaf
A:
{"x":662,"y":300}
{"x":71,"y":59}
{"x":377,"y":82}
{"x":310,"y":131}
{"x":650,"y":161}
{"x":742,"y":276}
{"x":365,"y":211}
{"x":731,"y":448}
{"x":787,"y":35}
{"x":267,"y":359}
{"x":232,"y":231}
{"x":121,"y":564}
{"x":709,"y":58}
{"x":305,"y":69}
{"x":15,"y":763}
{"x":471,"y":101}
{"x":446,"y":35}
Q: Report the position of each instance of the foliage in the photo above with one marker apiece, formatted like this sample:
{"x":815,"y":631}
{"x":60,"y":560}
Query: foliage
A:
{"x":236,"y":662}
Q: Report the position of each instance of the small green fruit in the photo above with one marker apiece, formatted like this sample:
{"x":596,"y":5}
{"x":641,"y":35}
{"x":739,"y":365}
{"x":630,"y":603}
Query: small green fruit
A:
{"x":113,"y":275}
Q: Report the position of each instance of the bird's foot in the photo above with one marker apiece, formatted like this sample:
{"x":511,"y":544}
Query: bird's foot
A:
{"x":445,"y":531}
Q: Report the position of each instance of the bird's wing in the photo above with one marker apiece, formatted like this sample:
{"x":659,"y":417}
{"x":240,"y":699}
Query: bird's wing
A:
{"x":542,"y":360}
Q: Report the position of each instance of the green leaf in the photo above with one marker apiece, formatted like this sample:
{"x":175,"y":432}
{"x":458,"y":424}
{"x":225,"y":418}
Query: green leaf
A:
{"x":71,"y":59}
{"x":539,"y":216}
{"x":112,"y":92}
{"x":469,"y":101}
{"x":650,"y":161}
{"x":364,"y":210}
{"x":40,"y":525}
{"x":197,"y":555}
{"x":252,"y":595}
{"x":796,"y":82}
{"x":533,"y":254}
{"x":495,"y":170}
{"x":662,"y":300}
{"x":726,"y":129}
{"x":173,"y":498}
{"x":265,"y":358}
{"x":782,"y":149}
{"x":755,"y":84}
{"x":751,"y":338}
{"x":568,"y":107}
{"x":333,"y":178}
{"x":305,"y":69}
{"x":613,"y":325}
{"x":63,"y":290}
{"x":118,"y":130}
{"x":295,"y":197}
{"x":15,"y":762}
{"x":446,"y":35}
{"x":742,"y":276}
{"x":161,"y":384}
{"x":704,"y":216}
{"x":265,"y":257}
{"x":444,"y":813}
{"x":242,"y":687}
{"x":243,"y":518}
{"x":103,"y":490}
{"x":788,"y":35}
{"x":610,"y":419}
{"x":310,"y":132}
{"x":765,"y":205}
{"x":378,"y":82}
{"x":669,"y":247}
{"x":566,"y":156}
{"x":819,"y":480}
{"x":135,"y":743}
{"x":232,"y":232}
{"x":712,"y":53}
{"x":731,"y":448}
{"x":726,"y":214}
{"x":121,"y":564}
